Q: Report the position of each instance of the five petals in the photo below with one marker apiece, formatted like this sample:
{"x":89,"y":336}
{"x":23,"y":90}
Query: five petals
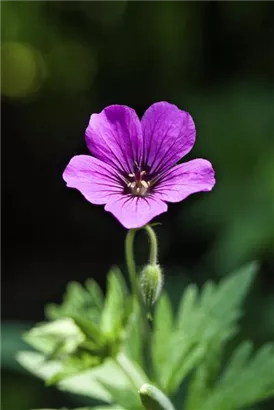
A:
{"x":122,"y":144}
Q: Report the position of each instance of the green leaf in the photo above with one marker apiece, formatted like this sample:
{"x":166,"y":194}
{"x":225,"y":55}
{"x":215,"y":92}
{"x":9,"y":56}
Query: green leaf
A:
{"x":204,"y":322}
{"x":95,"y":383}
{"x":161,"y":337}
{"x":207,"y":371}
{"x":91,"y":408}
{"x":244,"y":381}
{"x":106,"y":408}
{"x":125,"y":394}
{"x":62,"y":336}
{"x":80,"y":300}
{"x":85,"y":384}
{"x":37,"y":364}
{"x":132,"y":370}
{"x":204,"y":376}
{"x":78,"y":342}
{"x":114,"y":311}
{"x":105,"y":382}
{"x":75,"y":364}
{"x":237,"y":361}
{"x":114,"y":378}
{"x":113,"y":407}
{"x":187,"y":307}
{"x":230,"y":293}
{"x":95,"y":292}
{"x":133,"y":342}
{"x":90,"y":330}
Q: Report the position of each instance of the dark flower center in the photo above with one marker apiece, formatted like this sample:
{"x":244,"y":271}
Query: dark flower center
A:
{"x":138,"y":185}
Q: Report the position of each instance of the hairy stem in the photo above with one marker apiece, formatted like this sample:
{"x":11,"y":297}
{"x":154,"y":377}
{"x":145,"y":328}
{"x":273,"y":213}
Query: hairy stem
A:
{"x":129,"y":245}
{"x":153,"y":245}
{"x":131,"y":262}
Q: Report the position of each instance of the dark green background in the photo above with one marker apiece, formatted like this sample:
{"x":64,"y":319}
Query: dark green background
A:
{"x":62,"y":61}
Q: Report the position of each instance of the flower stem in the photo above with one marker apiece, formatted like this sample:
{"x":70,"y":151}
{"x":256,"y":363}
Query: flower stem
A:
{"x":153,"y":245}
{"x":130,"y":255}
{"x":130,"y":261}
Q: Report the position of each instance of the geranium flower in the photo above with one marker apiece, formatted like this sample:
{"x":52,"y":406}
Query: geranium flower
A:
{"x":133,"y":171}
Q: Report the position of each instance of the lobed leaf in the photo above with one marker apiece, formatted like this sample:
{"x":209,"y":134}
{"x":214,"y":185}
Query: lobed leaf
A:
{"x":161,"y":337}
{"x":114,"y":312}
{"x":244,"y":381}
{"x":133,"y":341}
{"x":62,"y":336}
{"x":203,"y":322}
{"x":113,"y":382}
{"x":81,"y":300}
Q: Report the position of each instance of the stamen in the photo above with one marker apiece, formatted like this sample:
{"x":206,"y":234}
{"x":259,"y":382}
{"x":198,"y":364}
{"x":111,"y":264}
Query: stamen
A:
{"x":138,"y":187}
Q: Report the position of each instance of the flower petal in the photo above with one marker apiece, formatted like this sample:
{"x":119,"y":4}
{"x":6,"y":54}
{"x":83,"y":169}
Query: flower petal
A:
{"x":135,"y":212}
{"x":97,"y":181}
{"x":115,"y":137}
{"x":186,"y":179}
{"x":169,"y":134}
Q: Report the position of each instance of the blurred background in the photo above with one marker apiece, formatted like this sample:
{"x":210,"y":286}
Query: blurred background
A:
{"x":62,"y":61}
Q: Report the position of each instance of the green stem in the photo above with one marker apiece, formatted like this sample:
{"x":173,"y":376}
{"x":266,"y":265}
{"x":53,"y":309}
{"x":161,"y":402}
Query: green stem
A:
{"x":130,"y":254}
{"x":130,"y":261}
{"x":153,"y":245}
{"x":134,"y":280}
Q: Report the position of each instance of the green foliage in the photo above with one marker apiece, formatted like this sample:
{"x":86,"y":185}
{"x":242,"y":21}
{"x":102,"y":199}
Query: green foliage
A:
{"x":245,"y":380}
{"x":115,"y":308}
{"x":161,"y":337}
{"x":202,"y":322}
{"x":133,"y":343}
{"x":79,"y":348}
{"x":62,"y":336}
{"x":81,"y":300}
{"x":108,"y":383}
{"x":103,"y":358}
{"x":84,"y":330}
{"x":91,"y":408}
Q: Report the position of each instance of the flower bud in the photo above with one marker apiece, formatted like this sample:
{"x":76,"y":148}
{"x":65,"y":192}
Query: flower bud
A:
{"x":151,"y":282}
{"x":154,"y":399}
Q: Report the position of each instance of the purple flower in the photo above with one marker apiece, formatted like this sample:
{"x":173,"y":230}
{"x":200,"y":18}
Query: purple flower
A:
{"x":133,"y":171}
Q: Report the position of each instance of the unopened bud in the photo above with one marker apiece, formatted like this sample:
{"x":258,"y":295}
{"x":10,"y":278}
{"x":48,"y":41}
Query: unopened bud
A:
{"x":151,"y":282}
{"x":154,"y":399}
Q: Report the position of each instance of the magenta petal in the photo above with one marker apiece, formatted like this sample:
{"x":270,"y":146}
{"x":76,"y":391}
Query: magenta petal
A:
{"x":169,"y":134}
{"x":115,"y":137}
{"x":186,"y":179}
{"x":135,"y":212}
{"x":96,"y":180}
